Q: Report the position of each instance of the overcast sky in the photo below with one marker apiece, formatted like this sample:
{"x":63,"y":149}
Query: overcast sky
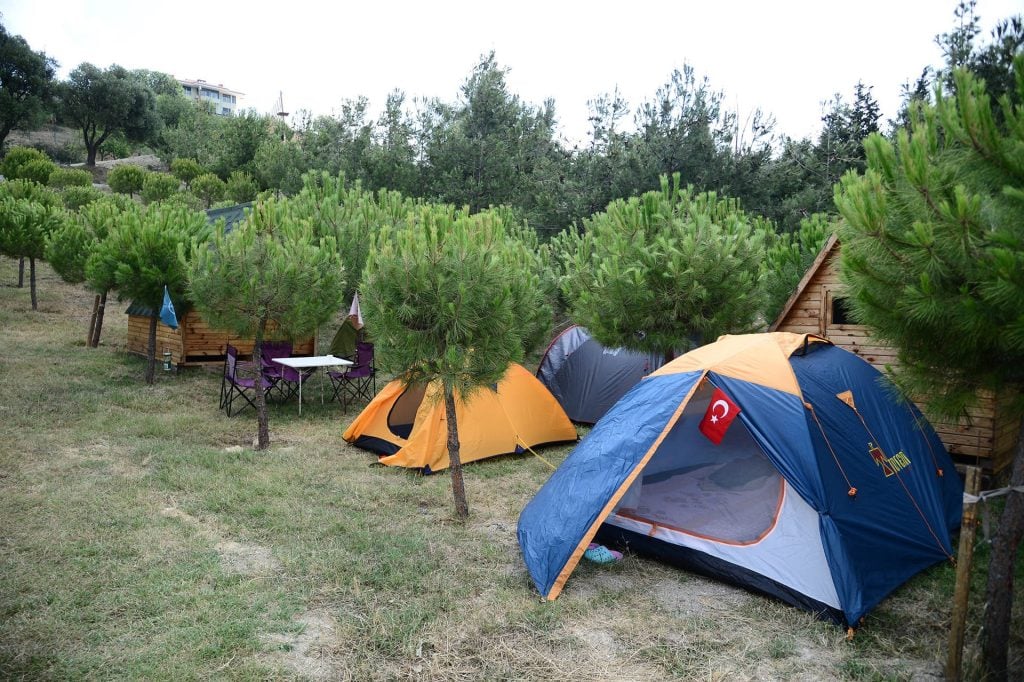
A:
{"x":786,"y":56}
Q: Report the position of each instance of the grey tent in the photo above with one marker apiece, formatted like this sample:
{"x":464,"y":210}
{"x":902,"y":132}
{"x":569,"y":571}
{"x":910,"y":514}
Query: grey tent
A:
{"x":586,"y":378}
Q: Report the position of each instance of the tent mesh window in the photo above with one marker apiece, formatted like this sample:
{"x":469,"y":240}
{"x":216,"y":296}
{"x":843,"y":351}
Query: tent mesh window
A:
{"x":403,"y":413}
{"x":728,"y":493}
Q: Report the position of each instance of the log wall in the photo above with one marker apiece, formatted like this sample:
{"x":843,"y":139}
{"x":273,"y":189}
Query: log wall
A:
{"x":194,"y":342}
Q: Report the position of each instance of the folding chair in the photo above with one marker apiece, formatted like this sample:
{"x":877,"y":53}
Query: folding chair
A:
{"x":272,"y":371}
{"x":243,"y":366}
{"x":359,"y":382}
{"x":234,"y":386}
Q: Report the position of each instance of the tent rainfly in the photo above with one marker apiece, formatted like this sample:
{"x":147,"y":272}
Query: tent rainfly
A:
{"x":586,"y":378}
{"x":827,"y":491}
{"x":405,"y":424}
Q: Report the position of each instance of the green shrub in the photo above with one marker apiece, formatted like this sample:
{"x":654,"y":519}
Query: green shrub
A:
{"x":17,"y":157}
{"x":115,"y":147}
{"x":186,"y":170}
{"x":241,"y":187}
{"x":76,"y":197}
{"x":70,"y":177}
{"x":184,"y":198}
{"x":38,"y":170}
{"x":29,"y":190}
{"x":209,"y":188}
{"x":127,"y":179}
{"x":71,"y":152}
{"x":159,"y":186}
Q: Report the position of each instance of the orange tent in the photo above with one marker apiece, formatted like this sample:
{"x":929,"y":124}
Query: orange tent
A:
{"x":406,"y":424}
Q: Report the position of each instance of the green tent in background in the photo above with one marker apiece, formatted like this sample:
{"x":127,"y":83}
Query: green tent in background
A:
{"x":343,"y":345}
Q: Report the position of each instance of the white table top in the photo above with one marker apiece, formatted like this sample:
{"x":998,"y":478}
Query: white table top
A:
{"x":314,"y":361}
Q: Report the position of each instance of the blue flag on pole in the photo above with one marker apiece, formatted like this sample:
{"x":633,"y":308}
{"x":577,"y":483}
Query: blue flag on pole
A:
{"x":167,"y":315}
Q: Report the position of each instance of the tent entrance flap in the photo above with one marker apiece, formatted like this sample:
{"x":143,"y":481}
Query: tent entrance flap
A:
{"x":729,"y":493}
{"x":403,"y":413}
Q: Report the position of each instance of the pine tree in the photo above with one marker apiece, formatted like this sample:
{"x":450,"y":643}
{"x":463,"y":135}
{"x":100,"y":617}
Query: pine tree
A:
{"x":24,"y":226}
{"x":446,"y":295}
{"x":68,"y":250}
{"x":664,"y":271}
{"x":350,"y":215}
{"x":140,"y":257}
{"x":271,"y":268}
{"x":933,"y":255}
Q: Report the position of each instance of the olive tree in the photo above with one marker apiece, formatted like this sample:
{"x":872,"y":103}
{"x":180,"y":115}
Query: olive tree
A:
{"x":102,"y":103}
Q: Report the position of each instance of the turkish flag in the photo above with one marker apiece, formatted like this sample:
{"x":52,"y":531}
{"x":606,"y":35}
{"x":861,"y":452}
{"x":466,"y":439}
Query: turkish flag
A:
{"x":719,"y":416}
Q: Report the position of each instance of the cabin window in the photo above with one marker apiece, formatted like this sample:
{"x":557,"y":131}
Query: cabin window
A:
{"x":841,"y":313}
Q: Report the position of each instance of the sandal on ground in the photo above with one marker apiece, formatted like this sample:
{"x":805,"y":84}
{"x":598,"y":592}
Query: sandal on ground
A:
{"x":600,"y":554}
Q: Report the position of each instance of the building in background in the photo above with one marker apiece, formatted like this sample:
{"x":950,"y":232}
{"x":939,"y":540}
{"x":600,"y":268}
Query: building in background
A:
{"x":223,"y":100}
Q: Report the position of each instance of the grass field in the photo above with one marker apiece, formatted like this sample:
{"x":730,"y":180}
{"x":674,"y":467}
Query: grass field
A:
{"x":142,"y":538}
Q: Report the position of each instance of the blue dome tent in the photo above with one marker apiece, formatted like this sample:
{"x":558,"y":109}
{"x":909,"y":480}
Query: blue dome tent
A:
{"x":827,"y":491}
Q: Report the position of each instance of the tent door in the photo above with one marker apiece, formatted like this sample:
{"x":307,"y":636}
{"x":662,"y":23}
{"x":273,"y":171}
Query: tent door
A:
{"x":403,"y":412}
{"x":728,"y":493}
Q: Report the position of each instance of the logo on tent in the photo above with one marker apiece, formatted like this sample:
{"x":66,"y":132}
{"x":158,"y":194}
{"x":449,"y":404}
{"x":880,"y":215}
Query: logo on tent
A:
{"x":890,"y":465}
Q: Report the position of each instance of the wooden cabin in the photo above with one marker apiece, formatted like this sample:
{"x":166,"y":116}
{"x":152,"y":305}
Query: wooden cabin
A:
{"x":194,"y":342}
{"x":985,"y":437}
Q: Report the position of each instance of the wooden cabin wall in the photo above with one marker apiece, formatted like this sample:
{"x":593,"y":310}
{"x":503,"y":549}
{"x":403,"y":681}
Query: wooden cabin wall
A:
{"x":980,"y":438}
{"x":166,"y":339}
{"x":195,"y":343}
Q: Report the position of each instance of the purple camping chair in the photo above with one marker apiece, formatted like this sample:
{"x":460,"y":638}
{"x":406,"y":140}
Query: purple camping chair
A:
{"x":234,"y":386}
{"x":359,"y":382}
{"x":285,"y":379}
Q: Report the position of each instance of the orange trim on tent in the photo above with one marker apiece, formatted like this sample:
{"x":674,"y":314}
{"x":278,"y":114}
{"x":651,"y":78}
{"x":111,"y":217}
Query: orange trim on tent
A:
{"x":577,"y":554}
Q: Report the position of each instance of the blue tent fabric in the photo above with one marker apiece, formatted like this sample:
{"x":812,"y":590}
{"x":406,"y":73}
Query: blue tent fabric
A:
{"x":554,"y":523}
{"x":893,"y":527}
{"x":882,"y":520}
{"x":167,"y":315}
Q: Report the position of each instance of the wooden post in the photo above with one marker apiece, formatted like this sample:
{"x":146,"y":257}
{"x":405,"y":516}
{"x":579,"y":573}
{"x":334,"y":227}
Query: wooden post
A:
{"x":965,"y":555}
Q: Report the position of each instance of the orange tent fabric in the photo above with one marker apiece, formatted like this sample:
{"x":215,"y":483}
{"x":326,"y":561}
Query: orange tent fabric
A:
{"x":407,"y":425}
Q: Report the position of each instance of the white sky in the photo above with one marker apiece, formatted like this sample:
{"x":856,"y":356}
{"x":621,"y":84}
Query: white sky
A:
{"x":786,"y":56}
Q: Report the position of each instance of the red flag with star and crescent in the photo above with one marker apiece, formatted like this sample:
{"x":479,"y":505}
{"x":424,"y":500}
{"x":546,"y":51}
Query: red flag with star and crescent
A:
{"x":719,"y":416}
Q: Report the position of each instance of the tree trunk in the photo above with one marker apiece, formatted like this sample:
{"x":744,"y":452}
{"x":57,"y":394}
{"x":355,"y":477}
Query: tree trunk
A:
{"x":99,"y":320}
{"x":670,"y":355}
{"x":21,"y":272}
{"x":995,"y":629}
{"x":90,"y":158}
{"x":151,"y":352}
{"x":32,"y":281}
{"x":455,"y":463}
{"x":262,"y":422}
{"x":151,"y":366}
{"x":92,"y":322}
